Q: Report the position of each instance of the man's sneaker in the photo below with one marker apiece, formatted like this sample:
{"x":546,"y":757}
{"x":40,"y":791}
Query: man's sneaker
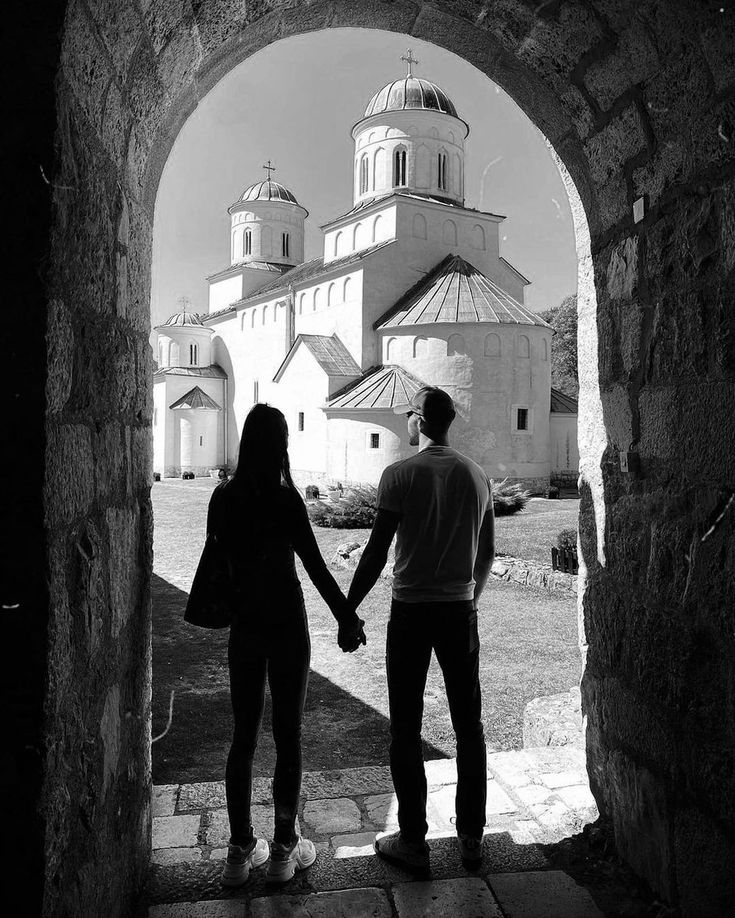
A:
{"x":286,"y":860}
{"x":412,"y":856}
{"x":470,"y":850}
{"x":239,"y":861}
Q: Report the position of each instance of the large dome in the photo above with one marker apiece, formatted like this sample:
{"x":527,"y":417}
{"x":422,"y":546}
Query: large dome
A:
{"x":410,"y":93}
{"x":183,"y":318}
{"x":268,"y":191}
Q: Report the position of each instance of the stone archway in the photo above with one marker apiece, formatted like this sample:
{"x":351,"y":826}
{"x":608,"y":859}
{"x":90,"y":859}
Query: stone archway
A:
{"x":637,"y":101}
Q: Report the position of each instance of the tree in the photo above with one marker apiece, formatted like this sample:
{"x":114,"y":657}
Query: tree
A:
{"x":563,"y":319}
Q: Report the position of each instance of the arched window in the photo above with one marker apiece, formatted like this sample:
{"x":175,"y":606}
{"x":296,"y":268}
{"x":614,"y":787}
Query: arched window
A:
{"x":419,"y":226}
{"x":317,"y":298}
{"x":332,"y":294}
{"x":193,"y":354}
{"x":456,"y":346}
{"x":265,"y":314}
{"x":524,"y":346}
{"x":420,"y":347}
{"x":160,"y":353}
{"x":478,"y":238}
{"x":492,"y":345}
{"x":363,"y":173}
{"x":302,"y":300}
{"x":242,"y":321}
{"x":457,"y":177}
{"x":173,"y":354}
{"x":377,"y":228}
{"x":247,"y":243}
{"x":337,"y":243}
{"x":449,"y":233}
{"x":357,"y":236}
{"x":346,"y":289}
{"x":441,"y":171}
{"x":399,"y":167}
{"x":266,"y":240}
{"x":379,"y":168}
{"x":285,"y":245}
{"x":391,"y":347}
{"x":252,"y":318}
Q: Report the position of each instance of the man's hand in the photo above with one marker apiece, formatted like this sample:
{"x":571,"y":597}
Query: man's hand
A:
{"x":351,"y":635}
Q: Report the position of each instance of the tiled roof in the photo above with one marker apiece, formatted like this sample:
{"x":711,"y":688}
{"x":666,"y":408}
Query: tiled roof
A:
{"x":301,"y":273}
{"x":213,"y":371}
{"x":196,"y":398}
{"x":410,"y":92}
{"x":432,"y":199}
{"x":330,"y":353}
{"x":455,"y":291}
{"x":379,"y":387}
{"x":257,"y":265}
{"x":563,"y":404}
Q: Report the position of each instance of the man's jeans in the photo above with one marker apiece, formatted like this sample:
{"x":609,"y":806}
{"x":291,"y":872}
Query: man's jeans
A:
{"x":450,"y":628}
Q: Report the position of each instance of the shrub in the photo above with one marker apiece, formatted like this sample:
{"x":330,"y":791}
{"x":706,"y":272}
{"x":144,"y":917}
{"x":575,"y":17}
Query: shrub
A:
{"x":311,"y":492}
{"x":567,"y":539}
{"x":509,"y":498}
{"x":356,"y":510}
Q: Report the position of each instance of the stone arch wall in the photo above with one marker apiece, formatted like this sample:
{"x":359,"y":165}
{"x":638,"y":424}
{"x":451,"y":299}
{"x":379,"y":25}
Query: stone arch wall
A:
{"x":637,"y":102}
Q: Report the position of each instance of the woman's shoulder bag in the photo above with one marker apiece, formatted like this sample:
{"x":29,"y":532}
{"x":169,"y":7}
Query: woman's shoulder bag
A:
{"x":213,"y":596}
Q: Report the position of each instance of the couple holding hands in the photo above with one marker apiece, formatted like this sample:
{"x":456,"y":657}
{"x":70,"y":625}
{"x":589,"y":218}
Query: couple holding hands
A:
{"x":438,"y":504}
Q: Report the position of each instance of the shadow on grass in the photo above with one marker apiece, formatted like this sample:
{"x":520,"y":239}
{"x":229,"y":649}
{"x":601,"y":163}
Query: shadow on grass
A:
{"x":340,"y":731}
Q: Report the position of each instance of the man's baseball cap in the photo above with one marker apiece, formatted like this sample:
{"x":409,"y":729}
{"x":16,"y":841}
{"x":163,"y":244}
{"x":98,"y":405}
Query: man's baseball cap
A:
{"x":434,"y":405}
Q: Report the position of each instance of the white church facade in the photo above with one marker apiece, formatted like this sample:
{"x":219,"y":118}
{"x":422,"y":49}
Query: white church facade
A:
{"x":411,"y":289}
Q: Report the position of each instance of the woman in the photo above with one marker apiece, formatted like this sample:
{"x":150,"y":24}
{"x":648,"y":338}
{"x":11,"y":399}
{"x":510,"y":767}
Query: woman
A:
{"x":260,"y":519}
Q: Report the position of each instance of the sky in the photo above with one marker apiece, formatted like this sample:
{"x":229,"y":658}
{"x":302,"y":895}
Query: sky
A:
{"x":294,"y":103}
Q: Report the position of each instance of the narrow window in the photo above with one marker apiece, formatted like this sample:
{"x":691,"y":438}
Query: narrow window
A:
{"x":399,"y":168}
{"x":248,"y":243}
{"x":193,"y":354}
{"x":442,"y":171}
{"x":522,"y":419}
{"x":201,"y":441}
{"x":374,"y":441}
{"x":255,"y":391}
{"x":284,"y":245}
{"x":364,"y":174}
{"x":301,"y":420}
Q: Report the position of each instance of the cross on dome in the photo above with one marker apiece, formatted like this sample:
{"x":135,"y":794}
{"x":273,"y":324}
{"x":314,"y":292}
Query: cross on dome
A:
{"x":410,"y":59}
{"x":184,"y":302}
{"x":269,"y":167}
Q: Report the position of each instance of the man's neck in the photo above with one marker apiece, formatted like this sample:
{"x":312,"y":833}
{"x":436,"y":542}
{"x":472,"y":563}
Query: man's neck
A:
{"x":425,"y":442}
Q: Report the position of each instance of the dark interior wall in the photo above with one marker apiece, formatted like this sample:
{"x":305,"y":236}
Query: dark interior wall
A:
{"x":637,"y":99}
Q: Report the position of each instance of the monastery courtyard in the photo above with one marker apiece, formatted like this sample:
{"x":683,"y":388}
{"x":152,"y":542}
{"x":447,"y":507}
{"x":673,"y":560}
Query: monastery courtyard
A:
{"x":540,"y":860}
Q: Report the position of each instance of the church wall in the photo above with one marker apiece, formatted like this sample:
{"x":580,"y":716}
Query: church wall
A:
{"x":223,"y":292}
{"x":167,"y":456}
{"x":199,"y":438}
{"x":351,"y":460}
{"x":266,"y":221}
{"x":161,"y":425}
{"x":365,"y":230}
{"x":303,"y":388}
{"x":564,"y":446}
{"x":343,"y":318}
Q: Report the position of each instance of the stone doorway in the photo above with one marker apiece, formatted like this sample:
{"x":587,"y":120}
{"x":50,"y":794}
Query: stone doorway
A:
{"x":637,"y":102}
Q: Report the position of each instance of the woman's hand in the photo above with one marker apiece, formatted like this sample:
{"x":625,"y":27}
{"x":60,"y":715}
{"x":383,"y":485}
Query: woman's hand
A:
{"x":351,"y":634}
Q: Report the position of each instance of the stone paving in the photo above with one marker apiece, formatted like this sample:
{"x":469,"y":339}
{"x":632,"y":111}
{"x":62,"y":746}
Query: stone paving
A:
{"x":535,"y":796}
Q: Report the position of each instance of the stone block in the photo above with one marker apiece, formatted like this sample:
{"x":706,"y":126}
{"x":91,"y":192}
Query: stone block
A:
{"x":704,"y":859}
{"x":382,"y":811}
{"x":435,"y":25}
{"x":618,"y":142}
{"x":622,"y":271}
{"x":175,"y":831}
{"x":167,"y":857}
{"x":354,"y":845}
{"x":533,"y":794}
{"x":164,"y":799}
{"x":554,"y":720}
{"x":347,"y":782}
{"x":207,"y":795}
{"x":60,"y":343}
{"x":116,"y":121}
{"x":542,"y":894}
{"x":440,"y":771}
{"x":578,"y":111}
{"x":511,"y":767}
{"x":633,"y":60}
{"x":121,"y":29}
{"x":124,"y":566}
{"x":69,"y":484}
{"x":719,"y":50}
{"x":579,"y":797}
{"x":465,"y":896}
{"x":398,"y":16}
{"x":217,"y":826}
{"x":215,"y":908}
{"x":331,"y":817}
{"x":347,"y":903}
{"x":179,"y":60}
{"x":498,"y":801}
{"x":85,"y":65}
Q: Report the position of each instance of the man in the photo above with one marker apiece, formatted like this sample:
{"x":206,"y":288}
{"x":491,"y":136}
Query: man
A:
{"x":439,"y":503}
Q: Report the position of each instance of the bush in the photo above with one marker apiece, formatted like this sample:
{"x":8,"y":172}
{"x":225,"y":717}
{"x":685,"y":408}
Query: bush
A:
{"x":356,"y":510}
{"x":509,"y":498}
{"x":567,"y":539}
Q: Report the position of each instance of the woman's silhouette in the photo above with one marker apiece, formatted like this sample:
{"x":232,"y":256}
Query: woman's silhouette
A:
{"x":260,"y":519}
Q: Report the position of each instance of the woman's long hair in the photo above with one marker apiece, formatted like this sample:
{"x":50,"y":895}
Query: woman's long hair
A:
{"x":262,"y":462}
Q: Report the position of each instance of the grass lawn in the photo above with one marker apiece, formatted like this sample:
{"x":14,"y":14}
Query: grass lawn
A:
{"x":531,"y":533}
{"x":529,"y":648}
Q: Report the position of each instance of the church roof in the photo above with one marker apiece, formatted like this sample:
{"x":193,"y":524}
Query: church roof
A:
{"x":268,"y":190}
{"x":455,"y":291}
{"x":379,"y":387}
{"x":364,"y":203}
{"x":563,"y":404}
{"x":182,"y":318}
{"x":410,"y":93}
{"x":329,"y":352}
{"x":212,"y":372}
{"x":196,"y":398}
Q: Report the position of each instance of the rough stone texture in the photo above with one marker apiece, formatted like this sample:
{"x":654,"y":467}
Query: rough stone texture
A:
{"x":217,"y":828}
{"x":350,"y":903}
{"x":220,"y":908}
{"x":554,"y":720}
{"x":637,"y":99}
{"x":329,"y":817}
{"x":468,"y":897}
{"x":547,"y":894}
{"x":175,"y":831}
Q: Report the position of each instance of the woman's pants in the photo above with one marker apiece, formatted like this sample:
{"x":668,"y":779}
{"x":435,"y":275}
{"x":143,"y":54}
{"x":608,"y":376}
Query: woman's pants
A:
{"x":281,"y":652}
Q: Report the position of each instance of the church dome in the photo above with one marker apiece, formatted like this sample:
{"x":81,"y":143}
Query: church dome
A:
{"x":410,"y":93}
{"x":183,"y":318}
{"x":268,"y":191}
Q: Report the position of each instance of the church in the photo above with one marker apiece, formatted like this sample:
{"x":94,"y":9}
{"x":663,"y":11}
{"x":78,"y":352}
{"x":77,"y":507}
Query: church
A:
{"x":411,"y":289}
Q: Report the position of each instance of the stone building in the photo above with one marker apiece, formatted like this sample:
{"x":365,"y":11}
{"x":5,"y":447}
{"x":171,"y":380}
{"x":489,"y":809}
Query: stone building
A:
{"x":636,"y":100}
{"x":410,"y":289}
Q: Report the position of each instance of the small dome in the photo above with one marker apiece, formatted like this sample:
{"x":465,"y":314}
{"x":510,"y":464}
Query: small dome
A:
{"x":268,"y":191}
{"x":410,"y":92}
{"x":183,"y":318}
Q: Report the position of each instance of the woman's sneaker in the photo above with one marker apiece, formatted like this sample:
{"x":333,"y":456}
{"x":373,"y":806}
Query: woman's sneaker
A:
{"x":412,"y":856}
{"x":239,"y":861}
{"x":286,"y":860}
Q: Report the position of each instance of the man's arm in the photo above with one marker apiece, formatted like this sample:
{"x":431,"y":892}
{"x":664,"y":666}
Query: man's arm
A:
{"x":485,"y":552}
{"x":374,"y":557}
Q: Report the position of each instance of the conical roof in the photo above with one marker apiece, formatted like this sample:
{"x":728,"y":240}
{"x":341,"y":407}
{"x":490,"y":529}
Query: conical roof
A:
{"x":410,"y":92}
{"x":268,"y":190}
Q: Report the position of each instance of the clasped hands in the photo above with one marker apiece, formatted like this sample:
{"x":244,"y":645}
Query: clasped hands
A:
{"x":351,"y":632}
